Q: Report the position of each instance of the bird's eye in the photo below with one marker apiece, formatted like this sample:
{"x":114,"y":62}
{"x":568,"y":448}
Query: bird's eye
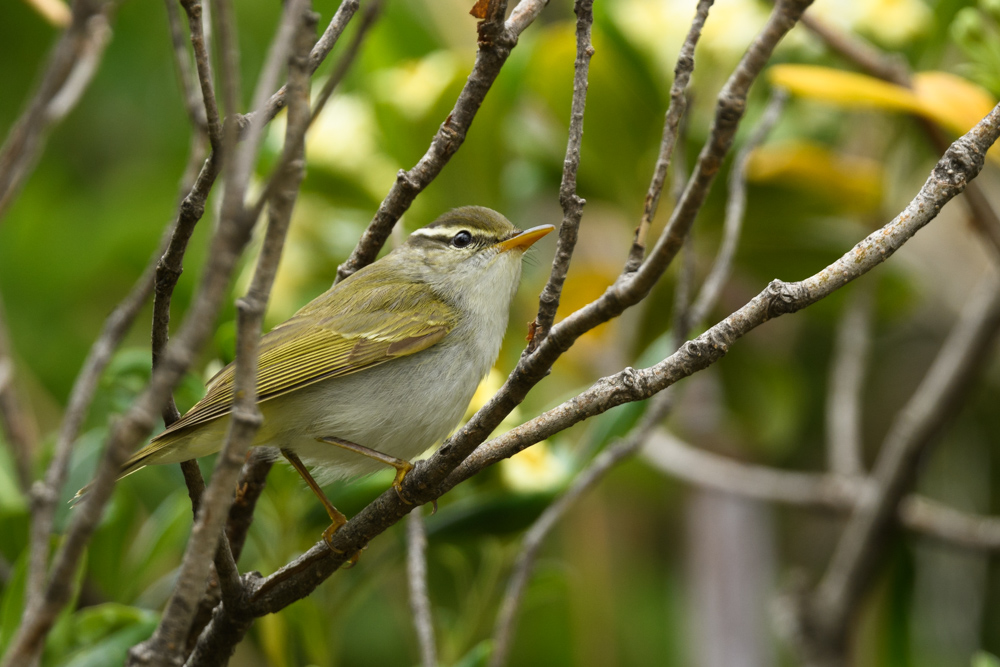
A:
{"x":462,"y":239}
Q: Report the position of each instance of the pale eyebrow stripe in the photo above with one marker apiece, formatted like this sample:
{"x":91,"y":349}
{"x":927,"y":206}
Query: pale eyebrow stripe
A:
{"x":442,"y":233}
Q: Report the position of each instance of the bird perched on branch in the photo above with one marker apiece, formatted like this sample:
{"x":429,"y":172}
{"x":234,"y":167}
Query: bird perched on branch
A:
{"x":381,"y":366}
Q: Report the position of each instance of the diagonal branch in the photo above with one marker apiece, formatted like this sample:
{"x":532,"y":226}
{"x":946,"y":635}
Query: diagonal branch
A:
{"x":70,"y":69}
{"x":859,"y":551}
{"x":496,"y":39}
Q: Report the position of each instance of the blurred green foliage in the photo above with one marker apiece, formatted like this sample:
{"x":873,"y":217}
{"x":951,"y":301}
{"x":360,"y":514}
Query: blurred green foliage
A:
{"x":94,"y":209}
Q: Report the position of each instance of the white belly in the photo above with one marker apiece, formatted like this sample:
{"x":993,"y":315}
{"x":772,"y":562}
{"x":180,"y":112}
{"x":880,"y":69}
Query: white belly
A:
{"x":400,"y":408}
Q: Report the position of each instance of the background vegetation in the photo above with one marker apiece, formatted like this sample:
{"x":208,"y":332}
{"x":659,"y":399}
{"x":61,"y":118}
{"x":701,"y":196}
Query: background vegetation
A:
{"x":637,"y":573}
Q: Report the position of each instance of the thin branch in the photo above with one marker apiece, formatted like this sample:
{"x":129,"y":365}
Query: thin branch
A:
{"x":416,"y":575}
{"x":70,"y":69}
{"x":496,"y":39}
{"x":847,"y":384}
{"x":293,"y":143}
{"x":186,"y":77}
{"x":735,"y":210}
{"x":630,"y":288}
{"x":827,"y":492}
{"x":859,"y":551}
{"x":596,"y":471}
{"x":203,"y":65}
{"x":45,"y":493}
{"x":127,"y":432}
{"x":319,"y":52}
{"x":19,"y":428}
{"x":671,"y":130}
{"x":572,"y":204}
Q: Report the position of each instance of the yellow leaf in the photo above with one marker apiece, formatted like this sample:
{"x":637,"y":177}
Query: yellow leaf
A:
{"x":852,"y":181}
{"x":951,"y":101}
{"x":845,"y":89}
{"x":948,"y":100}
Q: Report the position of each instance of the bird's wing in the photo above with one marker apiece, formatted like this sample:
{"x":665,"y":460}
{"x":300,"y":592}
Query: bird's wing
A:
{"x":314,"y":345}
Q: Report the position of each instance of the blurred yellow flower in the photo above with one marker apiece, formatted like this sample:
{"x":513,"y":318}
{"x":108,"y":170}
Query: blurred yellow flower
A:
{"x":535,"y":469}
{"x":416,"y":86}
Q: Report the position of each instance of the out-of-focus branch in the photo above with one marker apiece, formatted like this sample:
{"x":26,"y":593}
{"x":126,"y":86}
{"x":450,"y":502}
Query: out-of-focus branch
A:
{"x":661,"y":405}
{"x":185,"y":75}
{"x":671,"y":130}
{"x":340,"y":71}
{"x":19,"y":428}
{"x":416,"y":575}
{"x":503,"y":631}
{"x":39,"y":612}
{"x":319,"y":52}
{"x":828,"y":492}
{"x":496,"y":39}
{"x":572,"y":204}
{"x":70,"y":69}
{"x":847,"y":384}
{"x":736,"y":205}
{"x":826,"y":613}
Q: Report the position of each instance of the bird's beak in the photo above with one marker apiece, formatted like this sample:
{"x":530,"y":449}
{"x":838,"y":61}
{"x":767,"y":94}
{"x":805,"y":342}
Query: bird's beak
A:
{"x":523,"y":240}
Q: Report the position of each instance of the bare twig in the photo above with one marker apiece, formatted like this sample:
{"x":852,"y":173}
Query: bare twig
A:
{"x":671,"y":130}
{"x":319,"y":52}
{"x":572,"y":204}
{"x":45,"y":492}
{"x":19,"y":428}
{"x":185,"y":75}
{"x":828,"y":492}
{"x":293,"y":143}
{"x":630,"y":288}
{"x":858,"y":554}
{"x":416,"y":574}
{"x":496,"y":39}
{"x":70,"y":69}
{"x":203,"y":65}
{"x":735,"y":209}
{"x":847,"y":378}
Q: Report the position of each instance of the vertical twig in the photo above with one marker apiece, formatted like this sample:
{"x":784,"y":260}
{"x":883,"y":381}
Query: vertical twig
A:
{"x":671,"y":129}
{"x":826,"y":614}
{"x":16,"y":420}
{"x":847,"y":383}
{"x":416,"y":574}
{"x":572,"y":204}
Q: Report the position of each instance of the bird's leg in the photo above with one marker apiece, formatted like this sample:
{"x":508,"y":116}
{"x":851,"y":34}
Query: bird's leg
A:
{"x":402,"y":466}
{"x":336,"y":516}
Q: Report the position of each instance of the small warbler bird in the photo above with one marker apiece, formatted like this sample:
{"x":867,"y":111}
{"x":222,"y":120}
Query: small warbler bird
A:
{"x":381,"y":366}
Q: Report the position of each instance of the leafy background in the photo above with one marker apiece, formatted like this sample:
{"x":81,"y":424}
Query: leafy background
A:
{"x":617,"y":583}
